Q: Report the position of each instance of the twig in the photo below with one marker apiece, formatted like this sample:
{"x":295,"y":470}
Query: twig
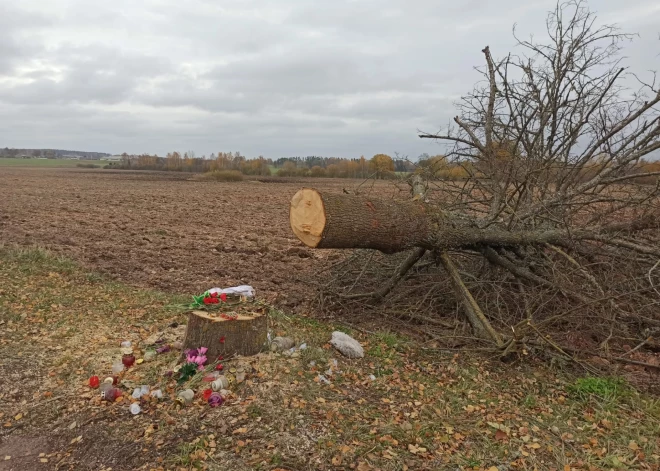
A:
{"x":651,"y":279}
{"x":648,"y":339}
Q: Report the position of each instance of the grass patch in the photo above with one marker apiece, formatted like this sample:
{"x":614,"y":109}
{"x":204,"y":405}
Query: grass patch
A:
{"x":36,"y":258}
{"x":88,"y":166}
{"x":222,"y":176}
{"x":38,"y":163}
{"x":607,"y":389}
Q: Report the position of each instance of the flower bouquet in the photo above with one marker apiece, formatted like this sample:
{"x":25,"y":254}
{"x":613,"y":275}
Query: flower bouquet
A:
{"x":208,"y":299}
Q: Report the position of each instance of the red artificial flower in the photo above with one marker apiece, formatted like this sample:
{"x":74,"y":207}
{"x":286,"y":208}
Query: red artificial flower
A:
{"x":219,"y":366}
{"x":223,"y":296}
{"x":214,"y":295}
{"x":207,"y":393}
{"x":207,"y":300}
{"x":222,"y":339}
{"x":220,"y":358}
{"x":215,"y":300}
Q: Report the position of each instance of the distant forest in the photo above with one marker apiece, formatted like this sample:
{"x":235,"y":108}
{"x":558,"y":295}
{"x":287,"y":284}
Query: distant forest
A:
{"x":50,"y":153}
{"x":380,"y":165}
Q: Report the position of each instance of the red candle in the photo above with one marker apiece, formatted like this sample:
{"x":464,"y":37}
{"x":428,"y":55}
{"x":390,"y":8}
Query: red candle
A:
{"x":128,"y":360}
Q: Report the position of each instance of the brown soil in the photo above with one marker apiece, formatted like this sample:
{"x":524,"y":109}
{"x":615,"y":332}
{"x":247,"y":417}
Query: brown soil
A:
{"x":166,"y":230}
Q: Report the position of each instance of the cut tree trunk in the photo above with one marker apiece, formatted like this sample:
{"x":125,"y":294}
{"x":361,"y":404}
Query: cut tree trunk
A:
{"x":246,"y":335}
{"x":327,"y":221}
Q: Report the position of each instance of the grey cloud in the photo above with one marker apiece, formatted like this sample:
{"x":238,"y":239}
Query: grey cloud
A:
{"x":291,"y":77}
{"x":90,"y":74}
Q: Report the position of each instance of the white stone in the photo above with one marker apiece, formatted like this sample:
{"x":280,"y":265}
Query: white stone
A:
{"x":347,"y":345}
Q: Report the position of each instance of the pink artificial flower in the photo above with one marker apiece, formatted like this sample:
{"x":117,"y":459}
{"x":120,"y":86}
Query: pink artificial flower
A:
{"x":202,"y":350}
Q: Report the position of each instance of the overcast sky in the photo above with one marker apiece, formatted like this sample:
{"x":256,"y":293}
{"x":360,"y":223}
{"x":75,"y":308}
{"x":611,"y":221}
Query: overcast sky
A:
{"x":277,"y":78}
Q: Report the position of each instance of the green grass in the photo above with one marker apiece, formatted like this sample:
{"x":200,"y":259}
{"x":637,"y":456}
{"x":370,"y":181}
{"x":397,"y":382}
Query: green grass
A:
{"x":607,"y":389}
{"x":41,"y":163}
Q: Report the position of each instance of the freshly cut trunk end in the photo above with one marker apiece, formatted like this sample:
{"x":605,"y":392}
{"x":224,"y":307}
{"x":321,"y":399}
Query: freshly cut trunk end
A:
{"x":307,"y":216}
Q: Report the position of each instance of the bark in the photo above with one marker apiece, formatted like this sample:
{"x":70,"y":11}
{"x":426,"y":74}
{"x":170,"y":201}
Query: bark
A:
{"x":328,"y":221}
{"x":244,"y":336}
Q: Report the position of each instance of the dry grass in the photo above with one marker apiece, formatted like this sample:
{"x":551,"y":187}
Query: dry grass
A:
{"x":425,"y":409}
{"x":222,"y":176}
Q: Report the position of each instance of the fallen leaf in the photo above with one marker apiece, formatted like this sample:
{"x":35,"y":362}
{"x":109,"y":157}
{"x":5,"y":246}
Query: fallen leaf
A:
{"x":239,"y":430}
{"x":500,"y":435}
{"x":633,"y":446}
{"x":18,"y":417}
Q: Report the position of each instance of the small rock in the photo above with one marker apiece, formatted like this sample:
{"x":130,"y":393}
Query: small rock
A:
{"x":280,"y":344}
{"x":347,"y":345}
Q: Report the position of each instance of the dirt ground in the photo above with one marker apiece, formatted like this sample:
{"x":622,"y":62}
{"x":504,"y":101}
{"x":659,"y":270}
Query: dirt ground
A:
{"x":166,"y":230}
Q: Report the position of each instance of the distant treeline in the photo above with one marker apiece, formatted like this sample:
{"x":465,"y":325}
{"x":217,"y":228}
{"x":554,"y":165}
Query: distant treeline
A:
{"x":49,"y":154}
{"x":380,"y":165}
{"x":188,"y":162}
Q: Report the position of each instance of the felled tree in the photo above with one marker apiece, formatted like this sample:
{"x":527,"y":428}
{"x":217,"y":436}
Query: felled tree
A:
{"x":551,"y":143}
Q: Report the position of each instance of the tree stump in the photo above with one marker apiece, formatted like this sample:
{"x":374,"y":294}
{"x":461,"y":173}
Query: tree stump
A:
{"x":246,"y":335}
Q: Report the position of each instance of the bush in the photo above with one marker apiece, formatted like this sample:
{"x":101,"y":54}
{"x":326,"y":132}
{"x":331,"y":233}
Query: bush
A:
{"x":223,"y":176}
{"x":87,"y":165}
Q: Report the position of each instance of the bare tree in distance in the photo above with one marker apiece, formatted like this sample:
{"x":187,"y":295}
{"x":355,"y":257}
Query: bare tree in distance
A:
{"x":556,"y":200}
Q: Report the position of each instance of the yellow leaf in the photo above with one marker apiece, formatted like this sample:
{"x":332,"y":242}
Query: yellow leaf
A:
{"x":493,"y":468}
{"x":18,"y":417}
{"x":633,"y":446}
{"x":44,"y":460}
{"x":240,"y":430}
{"x":320,"y":399}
